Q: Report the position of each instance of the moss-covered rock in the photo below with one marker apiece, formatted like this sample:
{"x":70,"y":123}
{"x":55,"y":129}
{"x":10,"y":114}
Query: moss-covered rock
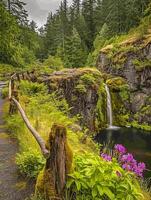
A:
{"x":101,"y":111}
{"x":127,"y":59}
{"x":80,"y":88}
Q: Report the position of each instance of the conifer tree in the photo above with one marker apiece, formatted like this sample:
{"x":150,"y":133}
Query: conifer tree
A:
{"x":74,"y":53}
{"x":16,"y":8}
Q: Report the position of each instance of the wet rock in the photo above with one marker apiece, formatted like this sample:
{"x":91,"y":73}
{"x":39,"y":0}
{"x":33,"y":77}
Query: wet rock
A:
{"x":131,"y":61}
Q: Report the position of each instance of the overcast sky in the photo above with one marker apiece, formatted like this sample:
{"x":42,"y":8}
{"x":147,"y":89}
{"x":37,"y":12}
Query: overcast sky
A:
{"x":38,"y":9}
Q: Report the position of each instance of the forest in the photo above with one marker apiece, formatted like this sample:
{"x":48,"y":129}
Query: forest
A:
{"x":75,"y":101}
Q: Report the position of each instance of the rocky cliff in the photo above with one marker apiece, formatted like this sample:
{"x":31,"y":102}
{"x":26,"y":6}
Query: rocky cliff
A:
{"x":81,"y":89}
{"x":131,"y":61}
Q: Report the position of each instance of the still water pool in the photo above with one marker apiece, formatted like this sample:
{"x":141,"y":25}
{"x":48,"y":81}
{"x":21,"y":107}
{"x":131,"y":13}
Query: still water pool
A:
{"x":136,"y":141}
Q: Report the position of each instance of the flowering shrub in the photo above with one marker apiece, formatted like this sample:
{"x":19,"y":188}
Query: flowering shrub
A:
{"x":94,"y":179}
{"x":126,"y":160}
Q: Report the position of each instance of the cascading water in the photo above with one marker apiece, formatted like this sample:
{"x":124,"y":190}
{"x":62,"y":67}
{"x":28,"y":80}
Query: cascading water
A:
{"x":109,"y":106}
{"x":109,"y":109}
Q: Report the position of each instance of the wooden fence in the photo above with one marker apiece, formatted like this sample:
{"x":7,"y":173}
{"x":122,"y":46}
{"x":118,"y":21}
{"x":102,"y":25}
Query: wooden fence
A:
{"x":56,"y":155}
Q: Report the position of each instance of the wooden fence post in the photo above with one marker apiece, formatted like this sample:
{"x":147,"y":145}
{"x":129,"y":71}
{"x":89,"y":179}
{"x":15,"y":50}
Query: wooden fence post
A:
{"x":13,"y":108}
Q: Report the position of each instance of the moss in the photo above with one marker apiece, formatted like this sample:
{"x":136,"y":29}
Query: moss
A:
{"x":39,"y":188}
{"x":141,"y":64}
{"x":142,"y":115}
{"x":120,"y":96}
{"x":120,"y":113}
{"x":81,"y":88}
{"x":118,"y":54}
{"x":117,"y":83}
{"x":44,"y":185}
{"x":101,"y":115}
{"x":45,"y":182}
{"x":143,"y":126}
{"x":88,"y":79}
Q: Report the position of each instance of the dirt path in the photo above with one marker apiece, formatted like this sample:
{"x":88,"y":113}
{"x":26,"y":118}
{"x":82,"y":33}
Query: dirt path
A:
{"x":12,"y":185}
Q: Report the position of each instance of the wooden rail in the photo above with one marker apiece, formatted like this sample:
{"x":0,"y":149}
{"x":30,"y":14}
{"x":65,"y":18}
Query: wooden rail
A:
{"x":59,"y":155}
{"x":36,"y":135}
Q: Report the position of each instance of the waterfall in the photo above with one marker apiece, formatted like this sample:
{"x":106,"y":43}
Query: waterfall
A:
{"x":109,"y":109}
{"x":109,"y":106}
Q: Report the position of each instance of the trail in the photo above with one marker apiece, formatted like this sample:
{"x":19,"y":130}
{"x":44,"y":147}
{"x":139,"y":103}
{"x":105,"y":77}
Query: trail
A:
{"x":12,"y":185}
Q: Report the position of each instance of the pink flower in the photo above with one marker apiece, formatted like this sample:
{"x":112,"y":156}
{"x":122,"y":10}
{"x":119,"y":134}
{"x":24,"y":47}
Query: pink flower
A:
{"x":106,"y":157}
{"x":120,"y":148}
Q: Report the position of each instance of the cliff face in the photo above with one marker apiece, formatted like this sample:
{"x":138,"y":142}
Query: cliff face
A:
{"x":131,"y":60}
{"x":80,"y":88}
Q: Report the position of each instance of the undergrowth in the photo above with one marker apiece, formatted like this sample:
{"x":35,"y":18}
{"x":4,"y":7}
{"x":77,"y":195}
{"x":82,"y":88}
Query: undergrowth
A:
{"x":43,"y":110}
{"x":92,"y":178}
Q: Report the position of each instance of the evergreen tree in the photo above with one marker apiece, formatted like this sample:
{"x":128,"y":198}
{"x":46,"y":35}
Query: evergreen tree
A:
{"x":9,"y":32}
{"x":73,"y":54}
{"x":16,"y":8}
{"x":88,"y":13}
{"x":33,"y":26}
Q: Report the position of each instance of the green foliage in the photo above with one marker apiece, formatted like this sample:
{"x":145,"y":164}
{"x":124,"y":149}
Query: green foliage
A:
{"x":73,"y":53}
{"x":101,"y":118}
{"x":4,"y":92}
{"x":88,"y":79}
{"x":30,"y":163}
{"x":5,"y":68}
{"x":117,"y":83}
{"x":9,"y":49}
{"x":14,"y":124}
{"x":94,"y":178}
{"x":98,"y":43}
{"x":18,"y":43}
{"x":141,"y":64}
{"x":102,"y":36}
{"x":81,"y":88}
{"x":53,"y":62}
{"x":30,"y":88}
{"x":143,"y":126}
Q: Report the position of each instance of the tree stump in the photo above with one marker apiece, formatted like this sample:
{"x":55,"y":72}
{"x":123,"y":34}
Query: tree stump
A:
{"x":58,"y":165}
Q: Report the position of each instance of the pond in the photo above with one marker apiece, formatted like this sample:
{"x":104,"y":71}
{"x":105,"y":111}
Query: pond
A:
{"x":136,"y":141}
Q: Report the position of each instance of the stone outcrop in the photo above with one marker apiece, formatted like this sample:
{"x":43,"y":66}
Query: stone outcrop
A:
{"x":131,"y":60}
{"x":80,"y":89}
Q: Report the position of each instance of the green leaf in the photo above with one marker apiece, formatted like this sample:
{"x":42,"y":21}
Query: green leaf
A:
{"x":78,"y":185}
{"x":109,"y":193}
{"x":100,"y":190}
{"x":69,"y":183}
{"x":94,"y":192}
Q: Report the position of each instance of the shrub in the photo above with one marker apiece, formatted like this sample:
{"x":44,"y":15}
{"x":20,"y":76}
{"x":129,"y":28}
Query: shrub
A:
{"x":30,"y":163}
{"x":29,"y":88}
{"x":54,"y":63}
{"x":4,"y":93}
{"x":95,"y":178}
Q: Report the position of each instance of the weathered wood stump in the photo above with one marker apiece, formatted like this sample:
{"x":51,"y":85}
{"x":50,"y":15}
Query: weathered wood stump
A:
{"x":52,"y":182}
{"x":18,"y":77}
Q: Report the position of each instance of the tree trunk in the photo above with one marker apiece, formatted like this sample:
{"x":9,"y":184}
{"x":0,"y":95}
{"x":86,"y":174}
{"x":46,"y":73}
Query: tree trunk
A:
{"x":57,"y":161}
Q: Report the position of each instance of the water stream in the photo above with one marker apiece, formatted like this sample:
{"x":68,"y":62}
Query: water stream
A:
{"x":136,"y":141}
{"x":109,"y":106}
{"x":109,"y":109}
